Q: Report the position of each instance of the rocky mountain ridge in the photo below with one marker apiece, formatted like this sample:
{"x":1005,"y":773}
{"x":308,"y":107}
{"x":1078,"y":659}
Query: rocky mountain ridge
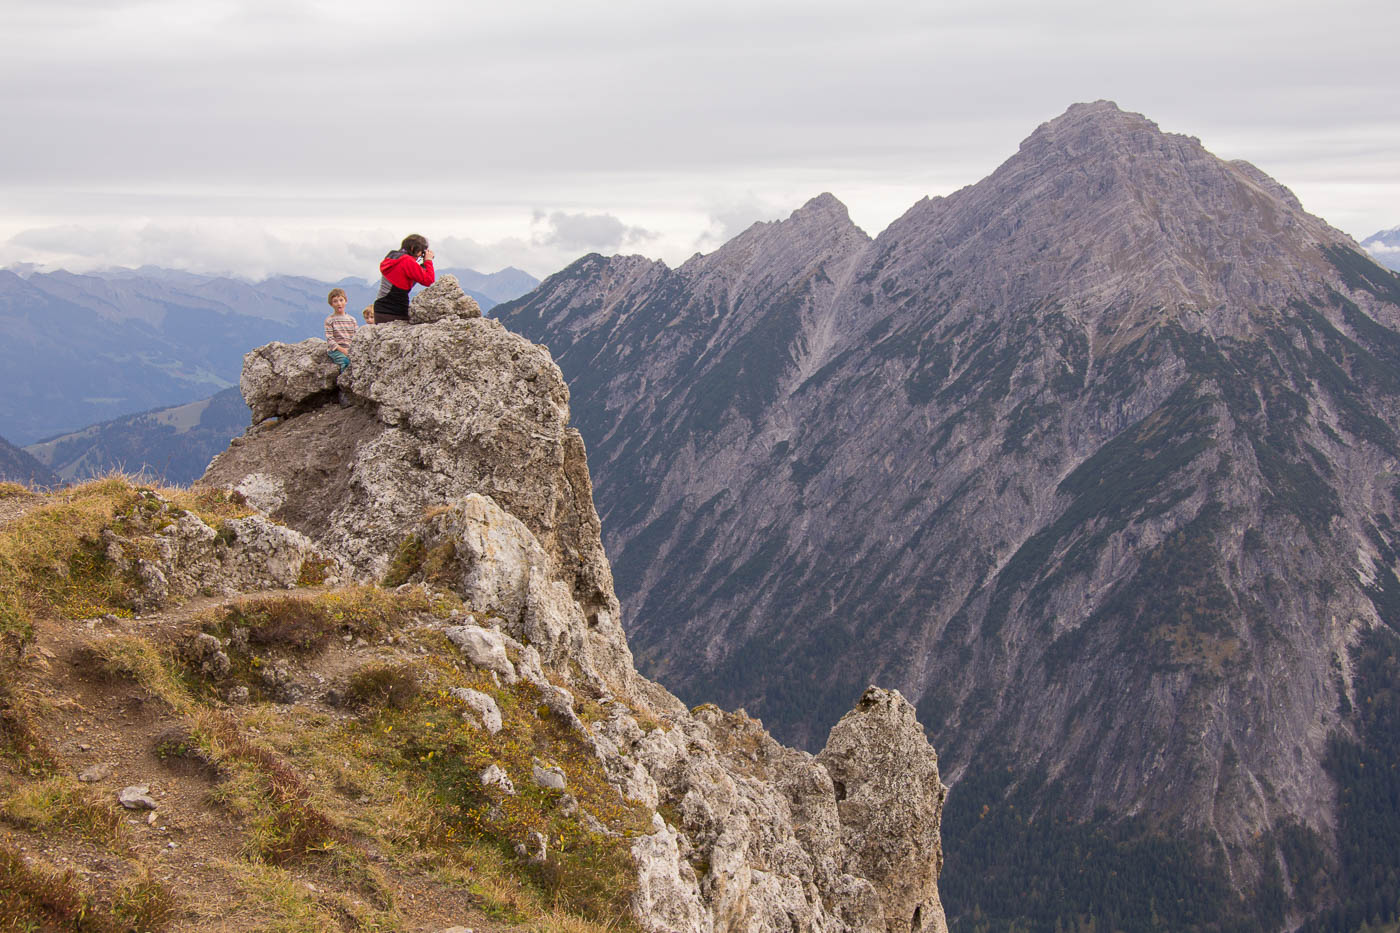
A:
{"x":18,"y":466}
{"x":1093,"y":458}
{"x":451,"y":462}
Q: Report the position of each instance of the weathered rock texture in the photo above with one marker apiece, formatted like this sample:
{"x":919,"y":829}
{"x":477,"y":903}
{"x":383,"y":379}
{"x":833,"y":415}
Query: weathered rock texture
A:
{"x":443,"y":300}
{"x":454,"y":465}
{"x":1094,"y":459}
{"x":174,"y":555}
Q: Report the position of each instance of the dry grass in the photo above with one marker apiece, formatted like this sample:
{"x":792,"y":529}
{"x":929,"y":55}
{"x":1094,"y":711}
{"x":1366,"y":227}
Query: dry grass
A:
{"x":213,"y":506}
{"x":21,"y":742}
{"x":10,"y":490}
{"x":588,"y":874}
{"x":395,"y":686}
{"x":35,"y":897}
{"x":307,"y":623}
{"x":51,"y":560}
{"x":414,"y":562}
{"x":61,"y":805}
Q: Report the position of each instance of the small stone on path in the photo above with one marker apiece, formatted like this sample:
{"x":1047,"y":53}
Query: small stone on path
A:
{"x":136,"y":797}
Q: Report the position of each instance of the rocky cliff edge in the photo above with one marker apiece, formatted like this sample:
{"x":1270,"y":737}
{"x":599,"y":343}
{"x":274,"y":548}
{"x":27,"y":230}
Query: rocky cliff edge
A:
{"x":444,"y":457}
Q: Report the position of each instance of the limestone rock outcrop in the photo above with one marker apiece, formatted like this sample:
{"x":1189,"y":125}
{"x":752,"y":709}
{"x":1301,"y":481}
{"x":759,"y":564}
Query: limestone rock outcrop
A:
{"x":175,"y":555}
{"x":890,"y":802}
{"x":284,"y":379}
{"x":448,"y":460}
{"x":442,"y":300}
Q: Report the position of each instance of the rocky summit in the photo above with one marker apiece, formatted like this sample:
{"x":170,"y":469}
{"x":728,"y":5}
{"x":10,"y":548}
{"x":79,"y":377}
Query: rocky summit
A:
{"x":1094,"y":460}
{"x":444,"y":458}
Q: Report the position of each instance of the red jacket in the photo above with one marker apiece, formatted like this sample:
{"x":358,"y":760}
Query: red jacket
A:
{"x":402,"y":270}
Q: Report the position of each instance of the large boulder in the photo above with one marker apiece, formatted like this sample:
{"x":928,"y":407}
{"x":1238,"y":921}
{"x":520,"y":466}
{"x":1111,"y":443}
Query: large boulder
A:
{"x":435,"y":412}
{"x":174,"y":555}
{"x":284,"y":379}
{"x":442,"y":300}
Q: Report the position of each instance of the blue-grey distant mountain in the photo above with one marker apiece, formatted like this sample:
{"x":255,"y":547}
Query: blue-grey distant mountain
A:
{"x":1384,"y":247}
{"x":16,"y":466}
{"x":496,"y":287}
{"x":81,"y":349}
{"x":1097,"y":460}
{"x":173,"y":445}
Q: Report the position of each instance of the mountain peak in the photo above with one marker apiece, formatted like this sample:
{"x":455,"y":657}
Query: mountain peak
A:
{"x":1101,"y":128}
{"x":825,"y":204}
{"x":1103,"y":202}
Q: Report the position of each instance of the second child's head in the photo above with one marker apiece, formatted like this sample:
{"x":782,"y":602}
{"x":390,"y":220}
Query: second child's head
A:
{"x":369,"y":314}
{"x":337,"y":300}
{"x":415,"y":245}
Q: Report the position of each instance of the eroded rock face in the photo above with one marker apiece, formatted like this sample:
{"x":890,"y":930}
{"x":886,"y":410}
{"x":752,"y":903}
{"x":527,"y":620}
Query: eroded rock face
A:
{"x":488,"y":556}
{"x":191,"y":558}
{"x":284,"y":379}
{"x":442,"y":300}
{"x":454,"y":464}
{"x":890,"y":802}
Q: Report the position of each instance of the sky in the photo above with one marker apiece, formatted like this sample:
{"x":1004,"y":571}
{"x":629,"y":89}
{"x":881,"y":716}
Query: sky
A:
{"x":310,"y":136}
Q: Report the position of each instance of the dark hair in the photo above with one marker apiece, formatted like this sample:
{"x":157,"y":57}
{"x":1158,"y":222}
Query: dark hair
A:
{"x":414,"y":245}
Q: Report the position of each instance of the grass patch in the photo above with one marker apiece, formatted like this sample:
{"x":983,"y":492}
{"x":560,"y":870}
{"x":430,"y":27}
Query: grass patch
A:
{"x":306,"y":624}
{"x":20,"y":740}
{"x":289,"y":905}
{"x":314,"y":571}
{"x":414,"y":562}
{"x":213,"y":506}
{"x":10,"y":490}
{"x":62,"y":805}
{"x":407,"y":559}
{"x":589,"y":870}
{"x":52,"y":561}
{"x":34,"y":898}
{"x":395,"y":686}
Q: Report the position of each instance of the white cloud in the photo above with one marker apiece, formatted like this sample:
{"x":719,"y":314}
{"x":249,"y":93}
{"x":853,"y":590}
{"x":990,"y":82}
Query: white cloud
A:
{"x":299,"y":113}
{"x":729,"y":218}
{"x":253,"y":250}
{"x":587,"y":232}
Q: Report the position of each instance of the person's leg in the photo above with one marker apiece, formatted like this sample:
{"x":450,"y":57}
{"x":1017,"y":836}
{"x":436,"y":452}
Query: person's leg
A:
{"x":340,"y":359}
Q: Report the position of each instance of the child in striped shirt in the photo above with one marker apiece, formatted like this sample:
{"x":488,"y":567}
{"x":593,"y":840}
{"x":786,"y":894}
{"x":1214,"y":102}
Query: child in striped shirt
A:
{"x":340,"y":327}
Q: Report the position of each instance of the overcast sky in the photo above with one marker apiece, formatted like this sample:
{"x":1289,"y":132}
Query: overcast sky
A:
{"x":309,"y":137}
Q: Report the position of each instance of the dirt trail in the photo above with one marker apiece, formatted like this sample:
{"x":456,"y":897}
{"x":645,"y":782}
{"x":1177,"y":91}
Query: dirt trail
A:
{"x":193,"y":843}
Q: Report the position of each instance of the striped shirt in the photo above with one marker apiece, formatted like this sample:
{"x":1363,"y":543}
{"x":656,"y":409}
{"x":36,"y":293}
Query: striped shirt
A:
{"x":339,"y":329}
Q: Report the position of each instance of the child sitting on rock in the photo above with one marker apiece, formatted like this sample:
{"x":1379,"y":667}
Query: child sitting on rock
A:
{"x":340,"y":328}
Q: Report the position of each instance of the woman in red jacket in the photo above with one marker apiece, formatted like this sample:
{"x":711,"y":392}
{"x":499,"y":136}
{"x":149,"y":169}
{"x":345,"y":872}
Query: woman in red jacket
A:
{"x":411,"y":263}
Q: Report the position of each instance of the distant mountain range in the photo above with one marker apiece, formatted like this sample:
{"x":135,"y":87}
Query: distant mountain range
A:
{"x":173,"y":445}
{"x":1384,"y":247}
{"x":84,"y":349}
{"x":17,"y":466}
